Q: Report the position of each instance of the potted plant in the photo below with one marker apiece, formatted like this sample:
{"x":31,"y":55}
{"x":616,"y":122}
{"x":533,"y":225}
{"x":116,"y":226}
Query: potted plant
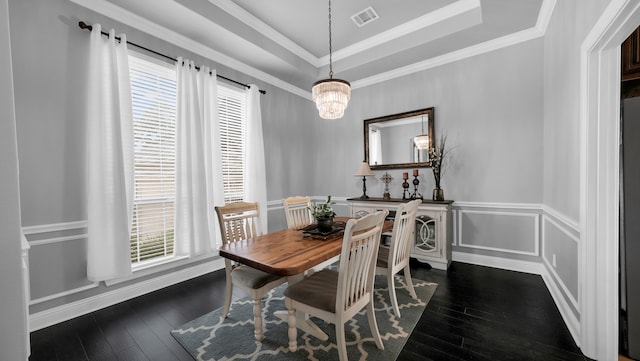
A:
{"x":324,"y":214}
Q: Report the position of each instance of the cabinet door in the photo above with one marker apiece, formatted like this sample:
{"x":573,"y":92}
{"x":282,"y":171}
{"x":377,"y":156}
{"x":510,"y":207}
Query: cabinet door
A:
{"x":631,"y":56}
{"x":358,"y":212}
{"x":426,"y":236}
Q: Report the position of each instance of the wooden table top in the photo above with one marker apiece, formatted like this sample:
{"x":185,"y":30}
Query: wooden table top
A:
{"x":286,"y":252}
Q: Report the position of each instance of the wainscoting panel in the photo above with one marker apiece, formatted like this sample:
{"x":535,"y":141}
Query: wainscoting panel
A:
{"x":57,"y":260}
{"x":560,"y":256}
{"x":57,"y":268}
{"x":513,"y":232}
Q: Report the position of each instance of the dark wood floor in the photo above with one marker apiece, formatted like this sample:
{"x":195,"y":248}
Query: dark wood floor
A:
{"x":476,"y":313}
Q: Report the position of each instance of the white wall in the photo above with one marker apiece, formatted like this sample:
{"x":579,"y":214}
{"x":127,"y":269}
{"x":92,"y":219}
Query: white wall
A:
{"x":13,"y":335}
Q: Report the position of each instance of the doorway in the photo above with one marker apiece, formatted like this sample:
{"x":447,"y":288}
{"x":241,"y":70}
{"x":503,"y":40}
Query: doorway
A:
{"x":629,"y":281}
{"x":600,"y":169}
{"x":630,"y":230}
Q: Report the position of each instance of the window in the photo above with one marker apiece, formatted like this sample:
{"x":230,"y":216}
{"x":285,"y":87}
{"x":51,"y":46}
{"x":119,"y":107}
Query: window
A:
{"x":153,"y":90}
{"x":231,"y":111}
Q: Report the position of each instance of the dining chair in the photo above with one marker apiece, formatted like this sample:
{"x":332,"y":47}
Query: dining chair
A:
{"x":337,"y":296}
{"x":395,"y":257}
{"x":239,"y":221}
{"x":298,"y":212}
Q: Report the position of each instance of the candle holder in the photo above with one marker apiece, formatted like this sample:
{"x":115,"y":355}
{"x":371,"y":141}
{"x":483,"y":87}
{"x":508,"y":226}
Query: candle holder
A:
{"x":405,"y":186}
{"x":416,"y":182}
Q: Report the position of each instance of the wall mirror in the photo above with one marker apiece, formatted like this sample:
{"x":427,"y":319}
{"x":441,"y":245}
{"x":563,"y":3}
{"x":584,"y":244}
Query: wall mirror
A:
{"x":399,"y":140}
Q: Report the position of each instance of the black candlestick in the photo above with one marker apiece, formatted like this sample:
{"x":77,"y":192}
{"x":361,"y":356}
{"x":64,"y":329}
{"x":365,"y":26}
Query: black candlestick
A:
{"x":416,"y":194}
{"x":405,"y":187}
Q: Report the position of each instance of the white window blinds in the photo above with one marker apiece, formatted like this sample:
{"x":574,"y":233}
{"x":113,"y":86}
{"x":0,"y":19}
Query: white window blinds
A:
{"x":153,"y":89}
{"x":232,"y":113}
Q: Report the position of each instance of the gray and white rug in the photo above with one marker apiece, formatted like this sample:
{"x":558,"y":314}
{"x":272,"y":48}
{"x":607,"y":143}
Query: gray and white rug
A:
{"x":210,"y":337}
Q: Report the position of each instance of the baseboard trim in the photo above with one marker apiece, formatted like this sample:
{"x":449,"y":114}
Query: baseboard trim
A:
{"x":570,"y":319}
{"x":497,"y":262}
{"x":71,"y":310}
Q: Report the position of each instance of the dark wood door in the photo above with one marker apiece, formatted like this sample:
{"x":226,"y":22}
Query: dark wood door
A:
{"x":631,"y":56}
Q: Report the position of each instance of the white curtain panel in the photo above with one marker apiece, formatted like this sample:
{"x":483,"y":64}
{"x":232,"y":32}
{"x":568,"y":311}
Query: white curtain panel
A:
{"x":198,"y":160}
{"x":255,"y":179}
{"x":110,"y":158}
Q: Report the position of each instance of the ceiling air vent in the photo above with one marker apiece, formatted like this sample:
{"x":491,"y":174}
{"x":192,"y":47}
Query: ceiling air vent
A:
{"x":365,"y":17}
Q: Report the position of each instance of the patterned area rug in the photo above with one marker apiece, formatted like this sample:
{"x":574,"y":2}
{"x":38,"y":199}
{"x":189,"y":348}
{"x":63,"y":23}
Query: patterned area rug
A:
{"x":210,"y":337}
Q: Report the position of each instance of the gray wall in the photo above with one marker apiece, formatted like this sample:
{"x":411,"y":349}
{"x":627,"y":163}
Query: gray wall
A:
{"x":490,"y":106}
{"x":511,"y":116}
{"x":13,"y":340}
{"x":49,"y":53}
{"x":569,"y":25}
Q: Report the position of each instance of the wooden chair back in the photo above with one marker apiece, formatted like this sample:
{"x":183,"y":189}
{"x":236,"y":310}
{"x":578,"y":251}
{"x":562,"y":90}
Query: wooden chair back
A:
{"x":357,"y":263}
{"x":239,"y":221}
{"x":404,"y":225}
{"x":297,"y":211}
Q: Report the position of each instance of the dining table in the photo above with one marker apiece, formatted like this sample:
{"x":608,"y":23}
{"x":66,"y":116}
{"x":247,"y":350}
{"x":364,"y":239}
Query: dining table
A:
{"x":291,"y":253}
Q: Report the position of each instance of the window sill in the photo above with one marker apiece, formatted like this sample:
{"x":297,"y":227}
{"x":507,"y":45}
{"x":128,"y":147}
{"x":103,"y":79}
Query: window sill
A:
{"x":151,"y":267}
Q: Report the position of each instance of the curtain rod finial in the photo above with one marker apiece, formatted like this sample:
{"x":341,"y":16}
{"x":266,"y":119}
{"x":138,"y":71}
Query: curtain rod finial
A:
{"x":84,"y":25}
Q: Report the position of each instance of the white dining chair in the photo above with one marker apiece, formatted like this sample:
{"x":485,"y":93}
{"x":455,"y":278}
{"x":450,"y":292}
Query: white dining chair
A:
{"x":239,"y":221}
{"x":337,"y":296}
{"x":395,"y":257}
{"x":298,"y":212}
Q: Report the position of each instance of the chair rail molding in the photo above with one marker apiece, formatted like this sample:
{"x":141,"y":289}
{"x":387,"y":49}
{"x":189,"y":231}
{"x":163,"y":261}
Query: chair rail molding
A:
{"x":54,"y":227}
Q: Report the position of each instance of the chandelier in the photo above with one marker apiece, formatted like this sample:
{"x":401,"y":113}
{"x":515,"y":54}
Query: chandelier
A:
{"x":331,"y":95}
{"x":422,"y":141}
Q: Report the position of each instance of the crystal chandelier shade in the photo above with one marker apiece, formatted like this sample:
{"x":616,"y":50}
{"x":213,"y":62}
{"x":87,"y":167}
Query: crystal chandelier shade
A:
{"x":331,"y":95}
{"x":421,"y":141}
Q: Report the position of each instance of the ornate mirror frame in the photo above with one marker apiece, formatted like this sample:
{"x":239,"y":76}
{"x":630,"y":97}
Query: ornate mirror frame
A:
{"x":414,"y":158}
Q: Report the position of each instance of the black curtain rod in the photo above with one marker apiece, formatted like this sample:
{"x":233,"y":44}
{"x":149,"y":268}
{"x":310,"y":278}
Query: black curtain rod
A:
{"x":84,"y":25}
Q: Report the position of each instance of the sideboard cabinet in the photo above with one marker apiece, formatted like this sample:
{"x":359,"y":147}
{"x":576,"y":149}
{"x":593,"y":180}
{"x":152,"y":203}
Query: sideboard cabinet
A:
{"x":433,"y":231}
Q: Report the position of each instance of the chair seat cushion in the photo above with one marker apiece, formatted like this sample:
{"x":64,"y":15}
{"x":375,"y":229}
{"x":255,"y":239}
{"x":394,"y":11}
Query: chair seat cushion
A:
{"x":383,"y":257}
{"x":318,"y":290}
{"x":251,"y":277}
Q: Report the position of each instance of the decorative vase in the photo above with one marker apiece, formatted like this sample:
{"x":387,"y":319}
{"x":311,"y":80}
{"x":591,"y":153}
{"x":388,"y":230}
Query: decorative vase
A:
{"x":438,"y":194}
{"x":324,"y":224}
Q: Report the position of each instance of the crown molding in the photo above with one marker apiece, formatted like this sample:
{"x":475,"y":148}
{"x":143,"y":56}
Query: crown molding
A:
{"x":112,"y":11}
{"x":544,"y":16}
{"x":487,"y":46}
{"x":450,"y":11}
{"x":260,"y":26}
{"x":546,"y":11}
{"x":121,"y":15}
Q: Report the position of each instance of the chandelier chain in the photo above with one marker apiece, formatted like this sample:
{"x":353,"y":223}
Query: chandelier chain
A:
{"x":330,"y":49}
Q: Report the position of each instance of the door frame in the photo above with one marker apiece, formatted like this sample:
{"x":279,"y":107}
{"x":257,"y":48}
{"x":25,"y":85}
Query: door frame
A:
{"x":599,"y":178}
